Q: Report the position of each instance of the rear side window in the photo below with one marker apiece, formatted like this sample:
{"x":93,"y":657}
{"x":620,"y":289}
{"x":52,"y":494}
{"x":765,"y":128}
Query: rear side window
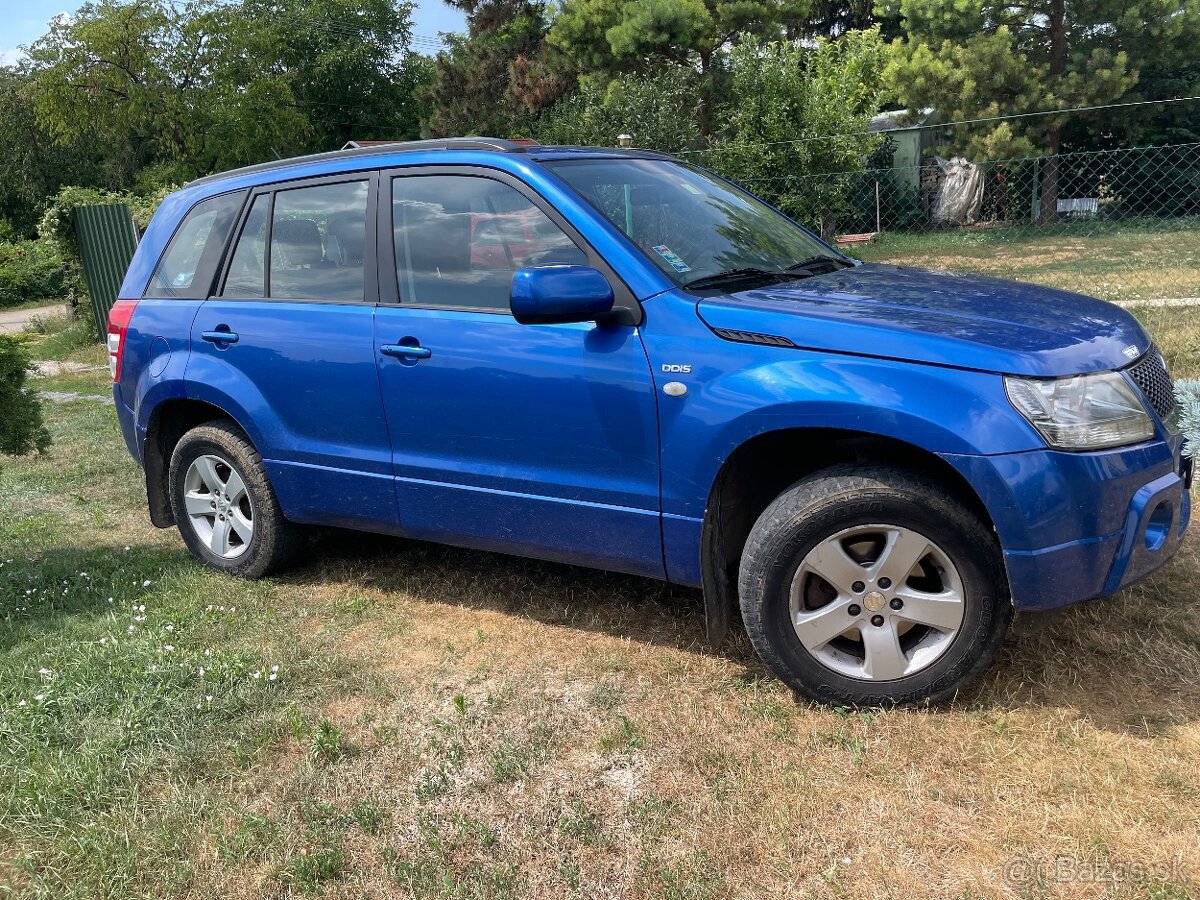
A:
{"x":309,"y":244}
{"x":248,"y":269}
{"x":460,"y":238}
{"x":187,"y":268}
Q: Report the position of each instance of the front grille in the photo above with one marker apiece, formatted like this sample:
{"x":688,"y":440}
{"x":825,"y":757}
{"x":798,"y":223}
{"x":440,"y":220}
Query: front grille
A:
{"x":1150,"y":375}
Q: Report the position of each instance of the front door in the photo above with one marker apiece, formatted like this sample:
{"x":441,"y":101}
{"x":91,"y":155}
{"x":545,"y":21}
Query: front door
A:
{"x":540,"y":440}
{"x":289,"y":344}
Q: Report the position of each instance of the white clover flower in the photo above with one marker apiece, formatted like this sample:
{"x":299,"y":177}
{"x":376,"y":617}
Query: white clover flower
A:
{"x":45,"y":673}
{"x":170,"y":648}
{"x":22,"y":703}
{"x":103,"y":641}
{"x":274,"y":668}
{"x":208,"y":698}
{"x":170,"y":627}
{"x":272,"y":676}
{"x":202,"y":671}
{"x":146,"y":583}
{"x":40,"y":697}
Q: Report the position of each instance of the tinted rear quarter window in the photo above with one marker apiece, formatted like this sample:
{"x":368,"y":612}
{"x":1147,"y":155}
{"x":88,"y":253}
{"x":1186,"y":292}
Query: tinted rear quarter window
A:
{"x":186,"y":269}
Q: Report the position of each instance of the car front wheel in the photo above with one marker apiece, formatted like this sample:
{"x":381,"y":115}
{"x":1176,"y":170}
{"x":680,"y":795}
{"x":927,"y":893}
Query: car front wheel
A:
{"x":869,"y":586}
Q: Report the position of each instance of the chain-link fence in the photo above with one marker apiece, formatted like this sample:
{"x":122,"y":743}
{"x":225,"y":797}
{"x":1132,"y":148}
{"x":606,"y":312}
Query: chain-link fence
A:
{"x":1119,"y":224}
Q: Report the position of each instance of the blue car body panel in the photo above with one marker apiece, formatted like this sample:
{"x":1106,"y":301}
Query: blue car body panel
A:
{"x":548,"y":447}
{"x":558,"y":441}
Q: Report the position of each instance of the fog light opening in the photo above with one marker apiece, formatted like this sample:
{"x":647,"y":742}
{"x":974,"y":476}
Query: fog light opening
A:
{"x":1158,"y":526}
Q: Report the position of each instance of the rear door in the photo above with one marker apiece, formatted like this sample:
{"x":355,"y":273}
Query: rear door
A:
{"x":287,"y":343}
{"x":540,"y":440}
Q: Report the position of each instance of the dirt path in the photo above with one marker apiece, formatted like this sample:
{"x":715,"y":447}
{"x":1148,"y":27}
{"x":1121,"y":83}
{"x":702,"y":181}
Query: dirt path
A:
{"x":13,"y":321}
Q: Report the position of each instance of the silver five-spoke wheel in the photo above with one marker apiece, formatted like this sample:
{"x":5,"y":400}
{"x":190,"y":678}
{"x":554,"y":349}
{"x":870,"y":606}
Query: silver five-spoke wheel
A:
{"x":877,"y":602}
{"x":218,"y":506}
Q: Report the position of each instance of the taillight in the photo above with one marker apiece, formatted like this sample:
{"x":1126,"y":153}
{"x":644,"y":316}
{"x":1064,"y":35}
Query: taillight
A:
{"x":118,"y":325}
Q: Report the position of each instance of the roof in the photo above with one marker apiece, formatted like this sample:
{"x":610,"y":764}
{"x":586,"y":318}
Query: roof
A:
{"x":390,"y":148}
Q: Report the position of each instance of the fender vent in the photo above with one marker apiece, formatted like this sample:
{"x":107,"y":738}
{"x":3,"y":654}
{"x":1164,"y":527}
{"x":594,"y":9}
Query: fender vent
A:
{"x":753,"y":337}
{"x":1150,"y":375}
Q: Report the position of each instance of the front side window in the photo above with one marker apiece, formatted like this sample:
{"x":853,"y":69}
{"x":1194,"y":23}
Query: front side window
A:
{"x":187,"y":268}
{"x":460,"y":238}
{"x":688,"y":223}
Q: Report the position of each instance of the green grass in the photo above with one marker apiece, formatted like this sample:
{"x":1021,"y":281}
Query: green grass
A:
{"x":1125,"y":263}
{"x":467,"y":726}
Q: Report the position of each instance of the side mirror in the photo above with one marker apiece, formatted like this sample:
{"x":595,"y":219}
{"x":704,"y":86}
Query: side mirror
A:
{"x":548,"y":294}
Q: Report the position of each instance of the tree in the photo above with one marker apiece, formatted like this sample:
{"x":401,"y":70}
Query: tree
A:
{"x":21,"y":428}
{"x":32,"y":163}
{"x":986,"y":58}
{"x":604,"y":38}
{"x":192,"y":87}
{"x":496,"y":78}
{"x":660,"y":112}
{"x":796,"y":110}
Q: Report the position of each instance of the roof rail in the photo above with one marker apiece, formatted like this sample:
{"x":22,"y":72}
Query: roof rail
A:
{"x":500,"y":145}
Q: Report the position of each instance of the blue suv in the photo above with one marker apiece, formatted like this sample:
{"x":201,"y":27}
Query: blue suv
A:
{"x":618,"y":360}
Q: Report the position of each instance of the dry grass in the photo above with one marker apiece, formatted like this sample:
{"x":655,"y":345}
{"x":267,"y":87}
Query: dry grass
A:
{"x":518,"y":729}
{"x":1122,"y":264}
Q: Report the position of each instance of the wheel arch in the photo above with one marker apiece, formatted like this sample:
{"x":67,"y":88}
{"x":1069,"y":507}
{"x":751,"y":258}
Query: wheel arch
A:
{"x":169,"y":422}
{"x":762,"y":467}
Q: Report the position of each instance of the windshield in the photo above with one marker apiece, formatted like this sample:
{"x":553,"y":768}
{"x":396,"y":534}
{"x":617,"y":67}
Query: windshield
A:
{"x":692,"y":225}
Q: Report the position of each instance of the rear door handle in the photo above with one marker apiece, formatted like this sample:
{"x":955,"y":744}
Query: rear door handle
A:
{"x":404,"y":351}
{"x":220,"y":337}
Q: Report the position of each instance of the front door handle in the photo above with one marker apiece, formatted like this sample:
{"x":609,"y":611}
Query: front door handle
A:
{"x":220,"y":337}
{"x":404,"y":351}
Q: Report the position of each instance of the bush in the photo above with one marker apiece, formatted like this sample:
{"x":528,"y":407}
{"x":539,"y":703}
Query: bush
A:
{"x":32,"y":270}
{"x":21,"y":428}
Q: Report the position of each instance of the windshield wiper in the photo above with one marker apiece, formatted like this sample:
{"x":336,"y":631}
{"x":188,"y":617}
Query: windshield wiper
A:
{"x":743,"y":274}
{"x":835,"y":261}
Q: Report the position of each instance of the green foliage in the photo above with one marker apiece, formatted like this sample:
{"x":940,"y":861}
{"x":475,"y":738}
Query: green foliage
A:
{"x":987,"y":58}
{"x":21,"y":428}
{"x":188,"y":87}
{"x":495,"y":79}
{"x":30,"y":271}
{"x":32,"y":164}
{"x":785,"y":101}
{"x":1188,"y":394}
{"x":660,"y":111}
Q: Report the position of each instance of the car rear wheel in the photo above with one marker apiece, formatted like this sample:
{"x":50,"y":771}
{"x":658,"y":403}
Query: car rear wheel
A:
{"x":224,"y":505}
{"x":870,"y":586}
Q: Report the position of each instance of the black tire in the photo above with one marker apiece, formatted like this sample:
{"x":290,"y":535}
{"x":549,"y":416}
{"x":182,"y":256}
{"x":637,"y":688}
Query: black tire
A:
{"x":276,"y":543}
{"x":824,"y":504}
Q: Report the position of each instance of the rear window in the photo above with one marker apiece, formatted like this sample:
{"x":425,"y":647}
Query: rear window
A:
{"x":186,"y":270}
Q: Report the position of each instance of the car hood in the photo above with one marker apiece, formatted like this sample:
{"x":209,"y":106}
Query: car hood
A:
{"x":966,"y":321}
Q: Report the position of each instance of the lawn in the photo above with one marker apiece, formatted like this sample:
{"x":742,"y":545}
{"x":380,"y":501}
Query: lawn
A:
{"x":400,"y":719}
{"x":1133,"y":263}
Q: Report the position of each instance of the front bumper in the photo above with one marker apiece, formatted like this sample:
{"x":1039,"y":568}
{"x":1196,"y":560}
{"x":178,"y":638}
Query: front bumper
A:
{"x":1079,"y":526}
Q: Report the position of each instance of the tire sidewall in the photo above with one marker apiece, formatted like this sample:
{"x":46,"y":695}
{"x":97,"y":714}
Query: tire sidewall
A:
{"x":202,"y":442}
{"x":802,"y":529}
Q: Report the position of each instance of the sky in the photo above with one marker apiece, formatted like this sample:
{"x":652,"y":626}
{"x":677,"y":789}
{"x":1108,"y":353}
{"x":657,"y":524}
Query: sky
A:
{"x":429,"y":18}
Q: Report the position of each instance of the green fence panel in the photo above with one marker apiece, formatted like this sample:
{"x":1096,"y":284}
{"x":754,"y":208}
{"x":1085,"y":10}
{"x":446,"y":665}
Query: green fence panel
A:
{"x":107,"y":240}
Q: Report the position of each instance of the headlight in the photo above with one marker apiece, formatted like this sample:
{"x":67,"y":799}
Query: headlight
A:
{"x":1083,"y":412}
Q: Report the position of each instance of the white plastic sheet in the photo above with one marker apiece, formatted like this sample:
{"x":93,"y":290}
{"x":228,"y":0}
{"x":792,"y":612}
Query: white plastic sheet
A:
{"x":960,"y":192}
